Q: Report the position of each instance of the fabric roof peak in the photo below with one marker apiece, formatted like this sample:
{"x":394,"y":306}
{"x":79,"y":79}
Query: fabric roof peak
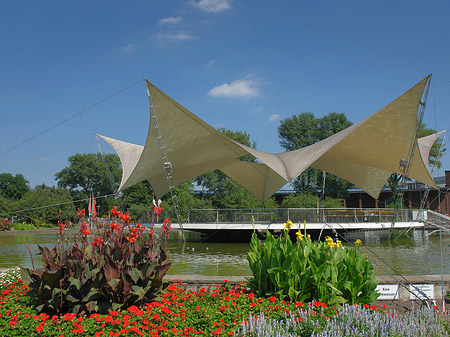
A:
{"x":364,"y":154}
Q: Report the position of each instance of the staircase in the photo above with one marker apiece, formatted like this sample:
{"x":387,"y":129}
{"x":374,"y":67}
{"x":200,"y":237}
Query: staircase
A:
{"x":437,"y":220}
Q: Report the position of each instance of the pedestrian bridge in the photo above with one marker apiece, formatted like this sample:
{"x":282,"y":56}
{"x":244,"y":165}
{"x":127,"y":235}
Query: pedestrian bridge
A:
{"x":239,"y":224}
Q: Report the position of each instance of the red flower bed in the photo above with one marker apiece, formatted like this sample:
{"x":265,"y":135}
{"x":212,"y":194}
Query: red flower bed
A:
{"x":217,"y":311}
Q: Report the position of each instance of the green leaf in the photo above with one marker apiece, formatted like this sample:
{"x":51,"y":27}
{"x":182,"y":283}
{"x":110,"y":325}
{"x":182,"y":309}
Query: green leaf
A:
{"x":114,"y":283}
{"x":135,"y":274}
{"x":75,"y":282}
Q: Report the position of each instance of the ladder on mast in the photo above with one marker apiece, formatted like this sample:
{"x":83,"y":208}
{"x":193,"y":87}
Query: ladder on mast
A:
{"x":405,"y":164}
{"x":167,"y":164}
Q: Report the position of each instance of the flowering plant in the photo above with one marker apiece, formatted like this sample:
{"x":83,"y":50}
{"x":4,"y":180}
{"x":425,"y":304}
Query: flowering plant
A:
{"x":308,"y":270}
{"x":5,"y":224}
{"x":108,"y":265}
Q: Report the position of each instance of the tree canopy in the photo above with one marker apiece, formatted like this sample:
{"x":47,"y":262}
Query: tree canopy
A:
{"x":89,"y":173}
{"x":224,"y":192}
{"x":305,"y":129}
{"x":13,"y":187}
{"x":43,"y":203}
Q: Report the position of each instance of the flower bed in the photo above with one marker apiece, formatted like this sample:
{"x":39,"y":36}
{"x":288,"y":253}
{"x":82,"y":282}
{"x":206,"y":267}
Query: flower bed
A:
{"x":218,"y":311}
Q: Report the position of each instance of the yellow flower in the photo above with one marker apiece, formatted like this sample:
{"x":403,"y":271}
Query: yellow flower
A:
{"x":299,"y":236}
{"x":331,"y":243}
{"x":338,"y":243}
{"x":288,"y":225}
{"x":358,"y":243}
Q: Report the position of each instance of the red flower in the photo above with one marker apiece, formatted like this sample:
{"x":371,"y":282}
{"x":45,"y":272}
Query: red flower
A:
{"x":272,"y":299}
{"x":81,"y":213}
{"x":166,"y":226}
{"x":61,"y":228}
{"x":114,"y":211}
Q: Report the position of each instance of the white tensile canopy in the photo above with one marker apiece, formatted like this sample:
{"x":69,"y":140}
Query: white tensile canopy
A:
{"x":365,"y":154}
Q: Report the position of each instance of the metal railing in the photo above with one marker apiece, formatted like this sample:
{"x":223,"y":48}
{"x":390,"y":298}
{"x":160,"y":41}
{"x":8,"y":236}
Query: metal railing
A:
{"x":296,"y":215}
{"x":438,"y":220}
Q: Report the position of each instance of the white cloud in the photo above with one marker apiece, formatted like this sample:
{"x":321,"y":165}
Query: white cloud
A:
{"x":274,"y":118}
{"x":238,"y":88}
{"x":211,"y":63}
{"x":129,"y":48}
{"x":212,"y":5}
{"x":174,"y":37}
{"x":171,"y":20}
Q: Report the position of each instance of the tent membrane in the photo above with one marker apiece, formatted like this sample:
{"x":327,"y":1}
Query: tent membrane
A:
{"x":365,"y":154}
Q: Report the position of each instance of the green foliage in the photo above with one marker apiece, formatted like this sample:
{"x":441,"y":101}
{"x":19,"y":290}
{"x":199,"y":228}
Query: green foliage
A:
{"x":309,"y":270}
{"x":23,"y":226}
{"x":6,"y":206}
{"x":37,"y":202}
{"x":223,"y":192}
{"x":305,"y":129}
{"x":116,"y":268}
{"x":88,"y":173}
{"x":138,"y":194}
{"x":13,"y":187}
{"x":305,"y":200}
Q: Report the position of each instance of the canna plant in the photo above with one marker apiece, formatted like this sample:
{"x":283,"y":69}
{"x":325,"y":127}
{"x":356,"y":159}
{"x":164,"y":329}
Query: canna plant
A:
{"x":308,"y":270}
{"x":111,"y":265}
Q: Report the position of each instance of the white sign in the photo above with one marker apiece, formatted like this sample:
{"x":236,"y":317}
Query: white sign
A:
{"x":417,"y":291}
{"x":387,"y":291}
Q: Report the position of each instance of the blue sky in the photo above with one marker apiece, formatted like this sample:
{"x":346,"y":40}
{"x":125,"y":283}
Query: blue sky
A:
{"x":242,"y":65}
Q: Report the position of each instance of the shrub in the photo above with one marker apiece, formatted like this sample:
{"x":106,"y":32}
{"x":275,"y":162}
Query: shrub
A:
{"x":5,"y":224}
{"x":115,"y":266}
{"x":23,"y":226}
{"x":307,"y":270}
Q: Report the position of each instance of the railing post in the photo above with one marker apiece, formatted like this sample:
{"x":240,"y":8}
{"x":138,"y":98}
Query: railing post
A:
{"x":217,"y":216}
{"x":189,"y":216}
{"x":288,"y":216}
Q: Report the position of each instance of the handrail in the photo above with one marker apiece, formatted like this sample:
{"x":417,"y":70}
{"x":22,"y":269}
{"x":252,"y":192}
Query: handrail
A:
{"x":281,"y":215}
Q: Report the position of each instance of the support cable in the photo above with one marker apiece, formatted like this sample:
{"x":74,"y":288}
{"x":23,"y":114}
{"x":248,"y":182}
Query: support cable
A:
{"x":110,"y":177}
{"x":167,"y":165}
{"x":53,"y":205}
{"x":69,"y":118}
{"x":405,"y":164}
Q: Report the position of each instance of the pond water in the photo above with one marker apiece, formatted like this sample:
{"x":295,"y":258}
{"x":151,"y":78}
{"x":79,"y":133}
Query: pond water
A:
{"x":408,"y":256}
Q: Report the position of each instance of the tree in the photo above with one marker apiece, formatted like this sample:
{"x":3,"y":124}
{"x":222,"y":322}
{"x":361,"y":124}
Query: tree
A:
{"x":304,"y":200}
{"x":224,"y":192}
{"x":89,"y":173}
{"x":305,"y":129}
{"x":43,"y":203}
{"x":6,"y":206}
{"x":13,"y":187}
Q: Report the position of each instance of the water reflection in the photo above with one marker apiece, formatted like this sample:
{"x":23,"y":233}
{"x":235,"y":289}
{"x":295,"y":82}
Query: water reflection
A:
{"x":408,"y":256}
{"x":14,"y":251}
{"x":218,"y":259}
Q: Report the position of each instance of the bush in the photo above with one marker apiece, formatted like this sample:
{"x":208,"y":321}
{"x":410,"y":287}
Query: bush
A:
{"x":5,"y":224}
{"x":23,"y":226}
{"x":306,"y":271}
{"x":116,"y":266}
